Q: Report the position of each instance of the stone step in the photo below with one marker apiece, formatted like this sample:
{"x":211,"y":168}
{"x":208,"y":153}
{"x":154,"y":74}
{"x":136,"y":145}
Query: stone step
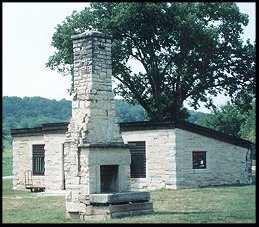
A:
{"x":106,"y":212}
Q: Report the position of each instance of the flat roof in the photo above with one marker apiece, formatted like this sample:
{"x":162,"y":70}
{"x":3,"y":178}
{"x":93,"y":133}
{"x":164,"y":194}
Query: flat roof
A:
{"x":61,"y":127}
{"x":52,"y":128}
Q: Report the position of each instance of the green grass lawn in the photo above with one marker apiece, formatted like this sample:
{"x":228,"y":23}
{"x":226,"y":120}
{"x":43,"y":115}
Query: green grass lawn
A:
{"x":222,"y":204}
{"x":7,"y":163}
{"x":226,"y":204}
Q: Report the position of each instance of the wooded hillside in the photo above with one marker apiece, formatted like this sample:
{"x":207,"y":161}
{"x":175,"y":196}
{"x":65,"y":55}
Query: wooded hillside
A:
{"x":30,"y":112}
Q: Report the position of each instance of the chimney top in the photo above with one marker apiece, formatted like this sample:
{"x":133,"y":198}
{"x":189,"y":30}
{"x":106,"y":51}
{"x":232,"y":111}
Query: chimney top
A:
{"x":91,"y":33}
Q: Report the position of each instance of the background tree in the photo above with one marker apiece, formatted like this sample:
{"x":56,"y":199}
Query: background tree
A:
{"x":248,"y":128}
{"x":196,"y":117}
{"x":188,"y":51}
{"x":245,"y":91}
{"x":127,"y":112}
{"x":230,"y":119}
{"x":226,"y":119}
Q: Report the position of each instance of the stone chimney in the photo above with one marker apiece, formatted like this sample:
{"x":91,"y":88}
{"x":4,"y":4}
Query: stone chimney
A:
{"x":96,"y":161}
{"x":93,"y":110}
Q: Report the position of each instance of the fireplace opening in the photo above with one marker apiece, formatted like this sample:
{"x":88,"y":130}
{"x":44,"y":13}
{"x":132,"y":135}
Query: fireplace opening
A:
{"x":109,"y":178}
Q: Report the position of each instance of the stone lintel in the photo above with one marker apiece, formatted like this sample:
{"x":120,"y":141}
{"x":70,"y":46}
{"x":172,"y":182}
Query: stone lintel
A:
{"x":121,"y":197}
{"x":104,"y":145}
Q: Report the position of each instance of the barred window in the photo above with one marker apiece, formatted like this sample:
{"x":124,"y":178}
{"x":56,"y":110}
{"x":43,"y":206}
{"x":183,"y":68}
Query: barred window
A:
{"x":138,"y":159}
{"x":38,"y":164}
{"x":199,"y":159}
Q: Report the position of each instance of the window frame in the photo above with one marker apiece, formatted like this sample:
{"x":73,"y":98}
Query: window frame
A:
{"x":38,"y":160}
{"x":137,"y":154}
{"x":202,"y":155}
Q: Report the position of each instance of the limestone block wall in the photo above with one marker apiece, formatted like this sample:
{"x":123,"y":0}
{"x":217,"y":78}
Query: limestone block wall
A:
{"x":160,"y":158}
{"x":22,"y":160}
{"x":226,"y":163}
{"x":54,"y":161}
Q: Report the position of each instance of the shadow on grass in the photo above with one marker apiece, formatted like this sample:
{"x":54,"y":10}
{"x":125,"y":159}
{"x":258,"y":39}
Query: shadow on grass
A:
{"x":232,"y":185}
{"x":182,"y":212}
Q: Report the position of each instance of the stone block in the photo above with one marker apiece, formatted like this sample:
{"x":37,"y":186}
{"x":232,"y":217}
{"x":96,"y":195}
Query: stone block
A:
{"x":131,"y":213}
{"x":72,"y":206}
{"x":137,"y":206}
{"x":119,"y":197}
{"x":72,"y":215}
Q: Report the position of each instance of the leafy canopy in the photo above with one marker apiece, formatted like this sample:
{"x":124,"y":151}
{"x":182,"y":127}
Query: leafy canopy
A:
{"x":189,"y":51}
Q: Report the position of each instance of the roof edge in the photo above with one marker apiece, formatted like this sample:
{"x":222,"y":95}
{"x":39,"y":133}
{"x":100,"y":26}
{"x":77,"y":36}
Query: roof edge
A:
{"x":61,"y":127}
{"x":145,"y":125}
{"x":184,"y":125}
{"x":27,"y":131}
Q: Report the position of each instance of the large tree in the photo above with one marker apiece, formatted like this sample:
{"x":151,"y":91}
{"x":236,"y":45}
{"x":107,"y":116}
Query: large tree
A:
{"x":189,"y":51}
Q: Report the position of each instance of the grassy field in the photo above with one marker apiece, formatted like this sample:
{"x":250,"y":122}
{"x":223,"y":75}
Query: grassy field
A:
{"x":222,"y":204}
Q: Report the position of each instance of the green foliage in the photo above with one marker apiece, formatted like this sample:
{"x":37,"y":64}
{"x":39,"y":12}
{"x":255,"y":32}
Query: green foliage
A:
{"x":231,"y":120}
{"x":226,"y":119}
{"x":190,"y":51}
{"x":127,"y":112}
{"x":246,"y":92}
{"x":248,"y":128}
{"x":196,"y":117}
{"x":31,"y":112}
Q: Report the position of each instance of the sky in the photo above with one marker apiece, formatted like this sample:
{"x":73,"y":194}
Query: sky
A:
{"x":27,"y":30}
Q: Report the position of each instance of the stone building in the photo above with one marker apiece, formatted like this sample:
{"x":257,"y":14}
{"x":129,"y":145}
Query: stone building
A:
{"x":166,"y":156}
{"x":139,"y":156}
